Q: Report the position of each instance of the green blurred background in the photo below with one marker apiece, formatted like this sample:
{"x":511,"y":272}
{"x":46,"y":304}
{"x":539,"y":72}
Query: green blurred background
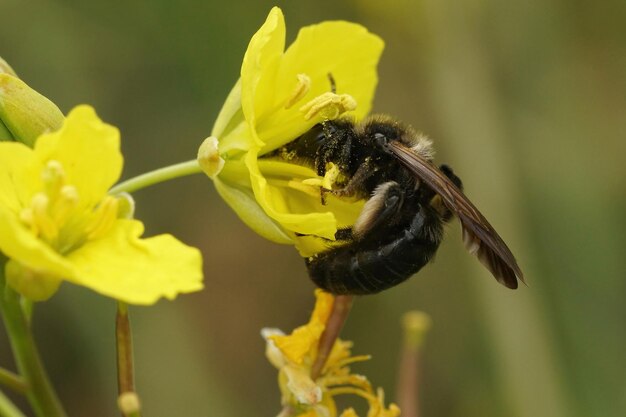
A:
{"x":526,"y":100}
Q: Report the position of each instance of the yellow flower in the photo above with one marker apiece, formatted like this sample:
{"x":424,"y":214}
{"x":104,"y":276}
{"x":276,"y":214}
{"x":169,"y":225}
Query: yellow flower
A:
{"x":281,"y":95}
{"x":58,"y":223}
{"x":294,"y":355}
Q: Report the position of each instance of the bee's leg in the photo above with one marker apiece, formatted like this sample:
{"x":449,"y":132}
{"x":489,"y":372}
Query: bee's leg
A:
{"x":337,"y":148}
{"x":380,"y":210}
{"x":437,"y":202}
{"x":353,"y":186}
{"x":344,"y":233}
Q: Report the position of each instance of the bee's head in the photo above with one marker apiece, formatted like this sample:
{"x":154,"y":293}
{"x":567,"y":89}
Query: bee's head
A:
{"x":380,"y":130}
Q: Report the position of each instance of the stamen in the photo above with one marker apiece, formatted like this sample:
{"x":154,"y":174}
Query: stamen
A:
{"x":41,"y":217}
{"x":302,"y":88}
{"x":53,"y":177}
{"x":329,"y":106}
{"x":104,"y":218}
{"x":330,"y":177}
{"x":304,"y":187}
{"x":350,"y":390}
{"x":28,"y":218}
{"x":64,"y":204}
{"x":352,"y":359}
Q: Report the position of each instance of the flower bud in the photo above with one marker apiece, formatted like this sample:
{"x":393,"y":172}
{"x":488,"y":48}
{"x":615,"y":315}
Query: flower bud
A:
{"x":209,"y":157}
{"x":128,"y":403}
{"x":5,"y":68}
{"x":24,"y":113}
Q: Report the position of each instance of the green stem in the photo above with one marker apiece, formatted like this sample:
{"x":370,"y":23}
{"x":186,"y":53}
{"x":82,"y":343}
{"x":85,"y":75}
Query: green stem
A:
{"x":158,"y":175}
{"x":7,"y":408}
{"x":40,"y":394}
{"x":13,"y":381}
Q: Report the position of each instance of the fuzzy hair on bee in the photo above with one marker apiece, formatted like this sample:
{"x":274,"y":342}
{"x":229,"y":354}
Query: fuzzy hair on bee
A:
{"x":408,"y":201}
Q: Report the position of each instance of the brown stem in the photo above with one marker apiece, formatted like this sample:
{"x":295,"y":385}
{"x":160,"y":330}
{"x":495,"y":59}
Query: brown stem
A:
{"x":338,"y":316}
{"x":125,"y":371}
{"x":408,"y":383}
{"x":128,"y":401}
{"x":415,"y":326}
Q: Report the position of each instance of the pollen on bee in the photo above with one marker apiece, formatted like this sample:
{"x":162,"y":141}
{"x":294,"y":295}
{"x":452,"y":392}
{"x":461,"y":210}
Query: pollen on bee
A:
{"x":301,"y":89}
{"x":330,"y":178}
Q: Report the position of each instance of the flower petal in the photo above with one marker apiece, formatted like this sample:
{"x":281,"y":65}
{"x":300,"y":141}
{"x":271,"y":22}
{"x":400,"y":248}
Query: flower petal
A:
{"x":346,"y":50}
{"x":14,"y":156}
{"x":301,"y":385}
{"x":20,"y":244}
{"x":89,"y":151}
{"x":304,"y":339}
{"x":259,"y":67}
{"x":137,"y":271}
{"x":272,"y":201}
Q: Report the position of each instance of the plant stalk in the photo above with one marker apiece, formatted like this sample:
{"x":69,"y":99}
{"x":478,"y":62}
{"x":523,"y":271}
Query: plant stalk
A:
{"x":40,"y":394}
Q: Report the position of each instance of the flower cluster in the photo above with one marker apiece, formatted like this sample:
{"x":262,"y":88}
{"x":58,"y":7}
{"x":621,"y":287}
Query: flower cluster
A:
{"x":294,"y":355}
{"x":57,"y":222}
{"x":281,"y":95}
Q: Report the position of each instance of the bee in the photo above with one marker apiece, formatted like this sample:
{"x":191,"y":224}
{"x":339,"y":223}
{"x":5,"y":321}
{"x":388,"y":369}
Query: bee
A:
{"x":408,"y":201}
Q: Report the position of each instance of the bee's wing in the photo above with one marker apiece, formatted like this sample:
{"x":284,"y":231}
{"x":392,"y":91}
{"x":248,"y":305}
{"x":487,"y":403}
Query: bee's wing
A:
{"x":479,"y":236}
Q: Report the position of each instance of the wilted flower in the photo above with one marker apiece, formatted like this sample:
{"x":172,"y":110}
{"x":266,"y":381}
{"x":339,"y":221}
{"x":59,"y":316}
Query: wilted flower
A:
{"x":294,"y":355}
{"x":57,"y":222}
{"x":281,"y":95}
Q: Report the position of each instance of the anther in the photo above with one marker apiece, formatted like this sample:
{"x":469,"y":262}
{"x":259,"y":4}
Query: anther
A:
{"x":329,"y":106}
{"x":41,"y":219}
{"x":65,"y":203}
{"x":330,"y":177}
{"x":302,"y":88}
{"x":53,"y":177}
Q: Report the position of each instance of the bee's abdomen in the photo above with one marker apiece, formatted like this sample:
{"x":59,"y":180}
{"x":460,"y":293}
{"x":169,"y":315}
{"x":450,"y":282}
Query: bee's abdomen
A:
{"x":368,"y":267}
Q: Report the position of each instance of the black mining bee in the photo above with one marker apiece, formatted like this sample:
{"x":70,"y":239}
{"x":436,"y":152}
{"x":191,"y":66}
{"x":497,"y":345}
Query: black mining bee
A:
{"x":408,"y":201}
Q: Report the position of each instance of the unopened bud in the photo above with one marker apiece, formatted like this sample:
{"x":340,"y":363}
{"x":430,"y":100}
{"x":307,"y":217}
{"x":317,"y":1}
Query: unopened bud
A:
{"x":416,"y":324}
{"x":36,"y":286}
{"x":209,"y":157}
{"x":24,"y":113}
{"x":5,"y":68}
{"x":129,"y":404}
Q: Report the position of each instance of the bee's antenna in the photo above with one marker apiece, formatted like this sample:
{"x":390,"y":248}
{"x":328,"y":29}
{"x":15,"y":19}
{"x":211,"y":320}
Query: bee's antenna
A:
{"x":333,"y":86}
